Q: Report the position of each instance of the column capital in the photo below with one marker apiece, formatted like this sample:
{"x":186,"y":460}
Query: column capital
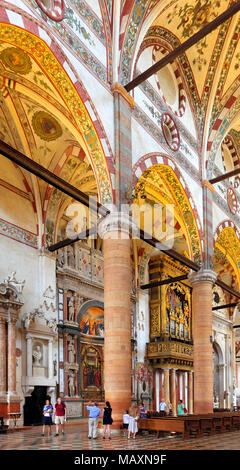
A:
{"x":203,"y":275}
{"x":117,"y":88}
{"x":118,"y":222}
{"x":208,"y":185}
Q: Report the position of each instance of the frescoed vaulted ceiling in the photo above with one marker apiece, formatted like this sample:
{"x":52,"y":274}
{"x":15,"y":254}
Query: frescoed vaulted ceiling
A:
{"x":52,"y":129}
{"x":159,"y":185}
{"x":210,"y":68}
{"x":227,"y":256}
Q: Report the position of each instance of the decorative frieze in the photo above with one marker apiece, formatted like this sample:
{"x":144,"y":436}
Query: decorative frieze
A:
{"x":170,"y":353}
{"x":18,"y":234}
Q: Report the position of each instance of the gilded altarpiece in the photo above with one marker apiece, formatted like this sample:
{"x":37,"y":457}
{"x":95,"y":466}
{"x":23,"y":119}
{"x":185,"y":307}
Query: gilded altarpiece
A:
{"x":170,"y":316}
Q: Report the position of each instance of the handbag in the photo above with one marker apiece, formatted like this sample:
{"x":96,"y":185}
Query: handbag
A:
{"x":185,"y":410}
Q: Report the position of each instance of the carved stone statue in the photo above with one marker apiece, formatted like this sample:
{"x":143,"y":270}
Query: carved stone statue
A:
{"x":11,"y":280}
{"x":60,"y":258}
{"x":70,"y":256}
{"x":71,"y":383}
{"x":71,"y":308}
{"x":71,"y":350}
{"x":37,"y":355}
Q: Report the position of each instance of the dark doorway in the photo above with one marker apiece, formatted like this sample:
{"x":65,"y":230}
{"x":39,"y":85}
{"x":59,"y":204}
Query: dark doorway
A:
{"x":33,"y":407}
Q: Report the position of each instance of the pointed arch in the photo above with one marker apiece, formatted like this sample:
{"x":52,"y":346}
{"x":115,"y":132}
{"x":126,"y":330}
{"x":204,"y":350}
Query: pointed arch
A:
{"x":55,"y":65}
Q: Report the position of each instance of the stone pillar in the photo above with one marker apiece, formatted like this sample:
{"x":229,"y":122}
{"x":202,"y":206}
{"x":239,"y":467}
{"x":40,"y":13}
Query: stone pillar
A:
{"x":207,"y":192}
{"x":50,"y":358}
{"x":186,"y":389}
{"x":12,"y":356}
{"x":202,"y":283}
{"x":180,"y":385}
{"x":3,"y":354}
{"x":221,"y":385}
{"x":123,"y":104}
{"x":173,"y":392}
{"x":190,"y":392}
{"x":29,"y":356}
{"x":65,"y":314}
{"x":114,"y":230}
{"x":166,"y":385}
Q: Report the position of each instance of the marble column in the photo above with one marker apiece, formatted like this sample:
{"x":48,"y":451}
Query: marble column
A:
{"x":173,"y":392}
{"x":12,"y":356}
{"x":190,"y":392}
{"x":186,"y":389}
{"x":202,"y":283}
{"x":166,"y":385}
{"x":29,"y":356}
{"x":114,"y":230}
{"x":3,"y":365}
{"x":221,"y":385}
{"x":50,"y":358}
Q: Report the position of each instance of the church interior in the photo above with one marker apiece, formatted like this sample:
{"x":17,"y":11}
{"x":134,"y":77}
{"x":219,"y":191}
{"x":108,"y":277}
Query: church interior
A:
{"x":119,"y":206}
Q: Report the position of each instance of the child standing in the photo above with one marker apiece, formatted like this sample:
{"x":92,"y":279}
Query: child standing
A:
{"x":47,"y":417}
{"x":125,"y":422}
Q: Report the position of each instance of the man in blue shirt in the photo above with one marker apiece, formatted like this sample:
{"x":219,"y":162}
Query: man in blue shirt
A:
{"x":163,"y":407}
{"x":94,"y":412}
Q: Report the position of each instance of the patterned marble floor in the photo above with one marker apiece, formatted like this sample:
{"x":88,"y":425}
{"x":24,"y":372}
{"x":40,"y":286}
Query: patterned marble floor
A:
{"x":75,"y":438}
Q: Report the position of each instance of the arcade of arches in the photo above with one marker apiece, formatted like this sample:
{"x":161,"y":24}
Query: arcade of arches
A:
{"x":77,"y":322}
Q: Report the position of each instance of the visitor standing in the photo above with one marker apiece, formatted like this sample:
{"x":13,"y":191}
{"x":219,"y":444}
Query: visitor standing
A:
{"x":60,"y":415}
{"x":133,"y":417}
{"x":162,"y":408}
{"x":125,"y":422}
{"x":107,"y":420}
{"x":142,"y":411}
{"x":181,"y":408}
{"x":94,"y":413}
{"x":169,"y":408}
{"x":47,"y":417}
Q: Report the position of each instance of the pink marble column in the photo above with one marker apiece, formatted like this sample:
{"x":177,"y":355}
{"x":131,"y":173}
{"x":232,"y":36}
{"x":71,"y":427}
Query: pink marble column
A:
{"x":114,"y":229}
{"x":202,"y":283}
{"x":3,"y":355}
{"x":190,"y":392}
{"x":166,"y":385}
{"x":12,"y":355}
{"x":173,"y":392}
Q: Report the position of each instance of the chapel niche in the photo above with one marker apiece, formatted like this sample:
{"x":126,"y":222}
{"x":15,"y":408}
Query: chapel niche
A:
{"x":170,"y":316}
{"x":92,"y":340}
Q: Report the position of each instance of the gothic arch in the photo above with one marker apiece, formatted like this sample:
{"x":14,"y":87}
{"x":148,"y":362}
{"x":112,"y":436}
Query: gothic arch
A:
{"x":58,"y":69}
{"x":227,"y":250}
{"x":172,"y":177}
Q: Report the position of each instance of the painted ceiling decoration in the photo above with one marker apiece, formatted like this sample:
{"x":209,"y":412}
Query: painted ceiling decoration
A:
{"x":55,"y":9}
{"x":170,"y":131}
{"x":46,"y":126}
{"x":21,"y":45}
{"x":160,"y":184}
{"x":232,"y":201}
{"x":210,"y":67}
{"x":173,"y":92}
{"x":228,"y":244}
{"x":16,"y":60}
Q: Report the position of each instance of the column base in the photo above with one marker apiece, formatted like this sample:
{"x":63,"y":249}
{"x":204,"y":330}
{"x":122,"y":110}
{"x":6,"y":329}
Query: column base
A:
{"x":10,"y":409}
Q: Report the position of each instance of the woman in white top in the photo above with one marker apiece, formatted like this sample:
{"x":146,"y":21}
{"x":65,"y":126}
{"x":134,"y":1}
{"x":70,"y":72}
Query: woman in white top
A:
{"x":133,"y":427}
